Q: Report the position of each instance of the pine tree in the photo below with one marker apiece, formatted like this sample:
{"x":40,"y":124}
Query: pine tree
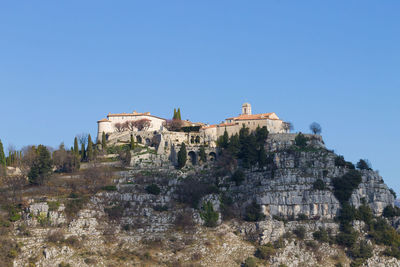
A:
{"x":42,"y":166}
{"x":89,"y":153}
{"x":182,"y":156}
{"x":76,"y":147}
{"x":132,"y":143}
{"x":178,"y":114}
{"x":103,"y":141}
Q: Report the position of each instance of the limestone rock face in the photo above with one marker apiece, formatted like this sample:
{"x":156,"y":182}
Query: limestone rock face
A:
{"x":286,"y":186}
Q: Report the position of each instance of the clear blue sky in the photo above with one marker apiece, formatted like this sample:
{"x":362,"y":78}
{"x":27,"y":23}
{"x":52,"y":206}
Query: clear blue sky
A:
{"x":66,"y":64}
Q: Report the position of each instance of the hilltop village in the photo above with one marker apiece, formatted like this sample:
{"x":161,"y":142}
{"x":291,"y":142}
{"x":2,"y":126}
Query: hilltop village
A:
{"x":151,"y":191}
{"x":166,"y":136}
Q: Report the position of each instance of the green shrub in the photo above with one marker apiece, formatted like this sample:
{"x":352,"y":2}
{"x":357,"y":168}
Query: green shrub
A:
{"x":361,"y":251}
{"x":347,"y":238}
{"x":321,"y":235}
{"x":301,"y":140}
{"x":160,"y":208}
{"x":238,"y":177}
{"x":191,"y":190}
{"x":382,"y":233}
{"x":53,"y":205}
{"x":73,"y":206}
{"x":115,"y":212}
{"x":302,"y":217}
{"x":393,"y":193}
{"x":344,"y":186}
{"x":153,"y":189}
{"x":390,"y":211}
{"x":363,"y":164}
{"x":227,"y":210}
{"x":265,"y":252}
{"x":208,"y":214}
{"x":253,"y":213}
{"x":311,"y":244}
{"x":110,"y":188}
{"x":300,"y":232}
{"x":250,"y":262}
{"x":319,"y":185}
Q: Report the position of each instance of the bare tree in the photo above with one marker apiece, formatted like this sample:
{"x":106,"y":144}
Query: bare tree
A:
{"x":119,"y":127}
{"x":129,"y":125}
{"x":287,"y":126}
{"x":15,"y":184}
{"x":315,"y":128}
{"x":96,"y":177}
{"x":82,"y":138}
{"x":142,"y":124}
{"x":173,"y":125}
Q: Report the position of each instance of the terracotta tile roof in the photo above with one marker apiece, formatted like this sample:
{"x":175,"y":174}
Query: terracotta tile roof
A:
{"x":261,"y":116}
{"x":132,"y":115}
{"x":226,"y":124}
{"x":209,"y":126}
{"x":103,"y":120}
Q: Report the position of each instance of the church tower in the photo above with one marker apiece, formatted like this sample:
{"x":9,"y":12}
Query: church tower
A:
{"x":246,"y":109}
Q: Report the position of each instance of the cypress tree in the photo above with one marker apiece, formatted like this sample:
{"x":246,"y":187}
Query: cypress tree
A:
{"x":174,"y":117}
{"x":2,"y":156}
{"x":132,"y":143}
{"x":178,"y":114}
{"x":83,"y":152}
{"x":202,"y":154}
{"x":89,"y":150}
{"x":182,"y":156}
{"x":76,"y":147}
{"x":103,"y":141}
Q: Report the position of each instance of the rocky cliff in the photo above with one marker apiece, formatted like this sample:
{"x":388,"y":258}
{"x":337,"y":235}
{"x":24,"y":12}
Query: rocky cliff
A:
{"x":156,"y":218}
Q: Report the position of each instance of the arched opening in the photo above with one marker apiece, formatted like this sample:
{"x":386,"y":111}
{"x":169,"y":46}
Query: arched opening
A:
{"x":212,"y":156}
{"x":148,"y":141}
{"x":197,"y":140}
{"x":193,"y":157}
{"x":192,"y":139}
{"x":139,"y":139}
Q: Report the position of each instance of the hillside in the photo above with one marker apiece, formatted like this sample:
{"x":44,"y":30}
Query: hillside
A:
{"x":306,"y":206}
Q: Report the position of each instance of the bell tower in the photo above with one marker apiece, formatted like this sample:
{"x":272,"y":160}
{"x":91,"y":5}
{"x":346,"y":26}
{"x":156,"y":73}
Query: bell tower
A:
{"x":246,"y":109}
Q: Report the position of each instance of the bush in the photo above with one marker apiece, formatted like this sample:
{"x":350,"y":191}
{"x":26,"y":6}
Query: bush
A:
{"x":115,"y":212}
{"x":363,"y":164}
{"x":208,"y":214}
{"x":53,"y":205}
{"x":250,"y":262}
{"x":393,"y":193}
{"x":319,"y":185}
{"x":347,"y":239}
{"x":300,"y":232}
{"x":153,"y":189}
{"x":343,"y":187}
{"x":253,"y":213}
{"x":265,"y":252}
{"x":73,"y":206}
{"x":184,"y":221}
{"x":390,"y":211}
{"x":301,"y":140}
{"x":56,"y":237}
{"x":160,"y":208}
{"x":361,"y":250}
{"x":109,"y":188}
{"x":238,"y":177}
{"x":321,"y":235}
{"x":191,"y":190}
{"x":340,"y":162}
{"x":302,"y":217}
{"x":72,"y":241}
{"x":226,"y":206}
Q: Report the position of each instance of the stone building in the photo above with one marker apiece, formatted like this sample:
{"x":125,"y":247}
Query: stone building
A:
{"x":108,"y":125}
{"x":246,"y":118}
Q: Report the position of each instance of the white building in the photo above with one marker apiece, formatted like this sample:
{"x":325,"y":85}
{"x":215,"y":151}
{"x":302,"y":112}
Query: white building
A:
{"x":108,"y":125}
